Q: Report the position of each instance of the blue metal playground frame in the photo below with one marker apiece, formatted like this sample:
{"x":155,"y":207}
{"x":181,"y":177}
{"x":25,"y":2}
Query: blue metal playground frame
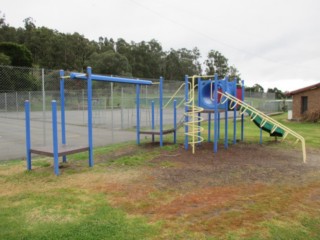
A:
{"x":215,"y":106}
{"x":63,"y":150}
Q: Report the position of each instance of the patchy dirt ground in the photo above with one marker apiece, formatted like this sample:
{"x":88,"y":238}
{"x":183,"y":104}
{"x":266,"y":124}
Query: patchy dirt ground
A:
{"x":238,"y":193}
{"x":241,"y":163}
{"x":234,"y":190}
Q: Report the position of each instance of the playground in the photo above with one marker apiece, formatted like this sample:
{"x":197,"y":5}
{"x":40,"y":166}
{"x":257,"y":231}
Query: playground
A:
{"x":212,"y":175}
{"x":202,"y":95}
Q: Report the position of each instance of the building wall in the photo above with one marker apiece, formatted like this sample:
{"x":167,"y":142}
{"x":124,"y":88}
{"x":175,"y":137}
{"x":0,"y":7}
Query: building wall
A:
{"x":313,"y":102}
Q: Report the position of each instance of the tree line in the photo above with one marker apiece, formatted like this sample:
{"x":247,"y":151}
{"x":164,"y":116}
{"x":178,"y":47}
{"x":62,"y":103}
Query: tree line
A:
{"x":34,"y":46}
{"x":146,"y":59}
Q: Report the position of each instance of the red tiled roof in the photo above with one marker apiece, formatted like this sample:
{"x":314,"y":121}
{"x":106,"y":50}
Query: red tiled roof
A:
{"x":304,"y":89}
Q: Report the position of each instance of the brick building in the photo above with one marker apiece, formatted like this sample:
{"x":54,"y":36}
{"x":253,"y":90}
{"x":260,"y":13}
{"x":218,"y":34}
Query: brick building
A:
{"x":305,"y":100}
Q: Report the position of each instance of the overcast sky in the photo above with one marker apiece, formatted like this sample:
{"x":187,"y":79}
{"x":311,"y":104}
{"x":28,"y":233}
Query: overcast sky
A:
{"x":275,"y":43}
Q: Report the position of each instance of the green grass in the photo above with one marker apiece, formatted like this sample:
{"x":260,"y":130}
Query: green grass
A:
{"x":137,"y":159}
{"x":67,"y":214}
{"x":46,"y":208}
{"x":39,"y":205}
{"x":308,"y":228}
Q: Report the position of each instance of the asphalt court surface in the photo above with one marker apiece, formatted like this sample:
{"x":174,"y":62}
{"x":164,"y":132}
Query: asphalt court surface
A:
{"x":13,"y":143}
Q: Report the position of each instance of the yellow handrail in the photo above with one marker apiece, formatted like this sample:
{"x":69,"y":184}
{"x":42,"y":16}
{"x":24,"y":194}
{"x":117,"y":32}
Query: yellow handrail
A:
{"x":176,"y":92}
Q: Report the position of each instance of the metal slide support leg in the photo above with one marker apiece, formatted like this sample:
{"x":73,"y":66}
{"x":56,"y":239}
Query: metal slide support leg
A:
{"x":242,"y":115}
{"x":62,"y":110}
{"x":186,"y":119}
{"x":152,"y":118}
{"x":138,"y":113}
{"x":90,"y":137}
{"x":55,"y":137}
{"x":209,"y":127}
{"x":234,"y":126}
{"x":235,"y":113}
{"x":28,"y":134}
{"x":175,"y":121}
{"x":219,"y":128}
{"x":161,"y":111}
{"x":226,"y":117}
{"x":226,"y":128}
{"x":216,"y":113}
{"x":198,"y":130}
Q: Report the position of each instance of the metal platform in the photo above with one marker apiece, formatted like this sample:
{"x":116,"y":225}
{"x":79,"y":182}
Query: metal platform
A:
{"x":63,"y":150}
{"x":157,"y":132}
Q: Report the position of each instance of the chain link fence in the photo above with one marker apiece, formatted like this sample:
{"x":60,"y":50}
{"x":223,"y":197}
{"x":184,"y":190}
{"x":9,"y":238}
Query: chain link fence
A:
{"x":267,"y":102}
{"x":113,"y":103}
{"x":110,"y":100}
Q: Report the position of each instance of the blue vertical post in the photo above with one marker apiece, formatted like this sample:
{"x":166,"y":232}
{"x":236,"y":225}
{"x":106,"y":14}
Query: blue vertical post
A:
{"x":215,"y":96}
{"x":175,"y":121}
{"x":260,"y":135}
{"x":152,"y":118}
{"x":55,"y":137}
{"x":62,"y":110}
{"x":199,"y":125}
{"x":28,"y":134}
{"x":186,"y":119}
{"x":235,"y":113}
{"x":219,"y":121}
{"x":242,"y":116}
{"x":161,"y":111}
{"x":225,"y":81}
{"x":89,"y":93}
{"x":199,"y":114}
{"x":209,"y":127}
{"x":138,"y":113}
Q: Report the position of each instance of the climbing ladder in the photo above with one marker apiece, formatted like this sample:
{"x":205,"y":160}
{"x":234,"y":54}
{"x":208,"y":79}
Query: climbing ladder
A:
{"x":193,"y":118}
{"x":264,"y":121}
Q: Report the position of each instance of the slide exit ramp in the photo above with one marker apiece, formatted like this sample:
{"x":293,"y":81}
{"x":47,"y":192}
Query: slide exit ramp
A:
{"x":264,"y":121}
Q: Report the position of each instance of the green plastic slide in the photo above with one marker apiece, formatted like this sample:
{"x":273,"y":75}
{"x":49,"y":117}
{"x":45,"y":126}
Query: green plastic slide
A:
{"x":266,"y":126}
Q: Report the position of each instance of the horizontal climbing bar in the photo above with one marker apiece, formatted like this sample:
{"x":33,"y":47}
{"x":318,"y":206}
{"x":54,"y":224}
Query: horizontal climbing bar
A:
{"x":95,"y":77}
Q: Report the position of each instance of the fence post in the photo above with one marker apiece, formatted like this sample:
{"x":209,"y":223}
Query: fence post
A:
{"x":29,"y":98}
{"x":17,"y":105}
{"x":83,"y":121}
{"x":5,"y":103}
{"x":112,"y":126}
{"x":121,"y":102}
